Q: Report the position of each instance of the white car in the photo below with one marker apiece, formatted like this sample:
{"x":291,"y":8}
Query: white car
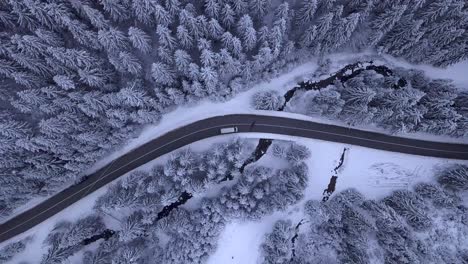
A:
{"x":227,"y":130}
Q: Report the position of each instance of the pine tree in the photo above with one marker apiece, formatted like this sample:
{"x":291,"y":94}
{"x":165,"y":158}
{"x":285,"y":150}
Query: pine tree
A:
{"x":130,"y":63}
{"x":94,"y":77}
{"x":144,"y":10}
{"x":28,"y":44}
{"x":209,"y":77}
{"x":207,"y":58}
{"x":119,"y":10}
{"x":454,"y":177}
{"x":411,"y":207}
{"x":95,"y":17}
{"x":233,"y":44}
{"x":11,"y":249}
{"x":132,"y":228}
{"x":227,"y":65}
{"x":384,"y":22}
{"x":65,"y":82}
{"x":182,"y":61}
{"x":405,"y":34}
{"x":277,"y":247}
{"x":267,"y":100}
{"x":306,"y":12}
{"x":162,"y":74}
{"x":214,"y":29}
{"x":131,"y":96}
{"x":186,"y":40}
{"x":139,"y":39}
{"x":240,"y":6}
{"x":227,"y":16}
{"x":112,"y":39}
{"x":163,"y":17}
{"x":212,"y":8}
{"x":260,"y":7}
{"x":83,"y":35}
{"x":25,"y":18}
{"x":165,"y":37}
{"x":247,"y":32}
{"x":326,"y":103}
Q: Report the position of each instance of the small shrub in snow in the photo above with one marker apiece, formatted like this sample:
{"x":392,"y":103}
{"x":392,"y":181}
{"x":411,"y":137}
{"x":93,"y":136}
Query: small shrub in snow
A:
{"x":454,"y":178}
{"x":267,"y":100}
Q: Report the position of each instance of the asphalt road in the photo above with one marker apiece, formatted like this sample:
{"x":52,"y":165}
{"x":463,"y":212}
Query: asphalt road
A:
{"x":211,"y":127}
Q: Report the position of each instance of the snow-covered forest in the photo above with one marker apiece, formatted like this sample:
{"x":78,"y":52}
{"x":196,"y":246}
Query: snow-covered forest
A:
{"x":395,"y":99}
{"x":151,"y":229}
{"x":428,"y":224}
{"x":79,"y":78}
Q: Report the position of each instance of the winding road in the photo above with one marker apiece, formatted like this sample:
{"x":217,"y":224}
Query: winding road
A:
{"x":209,"y":128}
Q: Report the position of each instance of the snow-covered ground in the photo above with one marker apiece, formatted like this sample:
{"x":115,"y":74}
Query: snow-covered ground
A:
{"x":375,"y":173}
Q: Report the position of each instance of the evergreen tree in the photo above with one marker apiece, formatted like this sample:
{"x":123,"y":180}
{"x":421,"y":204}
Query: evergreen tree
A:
{"x":140,"y":40}
{"x":65,"y":82}
{"x":384,"y":22}
{"x":260,"y":7}
{"x":214,"y":29}
{"x":165,"y":37}
{"x":119,"y":10}
{"x":277,"y":247}
{"x":163,"y":17}
{"x":306,"y":12}
{"x":112,"y":39}
{"x":162,"y":74}
{"x":212,"y":8}
{"x":267,"y":100}
{"x":454,"y":178}
{"x":130,"y":63}
{"x":96,"y":18}
{"x":227,"y":16}
{"x":182,"y":61}
{"x":186,"y":40}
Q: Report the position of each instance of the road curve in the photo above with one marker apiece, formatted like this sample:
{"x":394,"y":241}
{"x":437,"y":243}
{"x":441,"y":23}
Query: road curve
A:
{"x":211,"y":127}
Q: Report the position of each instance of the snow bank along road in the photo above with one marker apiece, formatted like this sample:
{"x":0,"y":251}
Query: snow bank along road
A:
{"x":211,"y":127}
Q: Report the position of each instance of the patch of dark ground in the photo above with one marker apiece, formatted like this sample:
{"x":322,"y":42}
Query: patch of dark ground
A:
{"x":260,"y":150}
{"x":340,"y":163}
{"x":294,"y":238}
{"x":342,"y":76}
{"x":183,"y":198}
{"x":106,"y":234}
{"x":332,"y":184}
